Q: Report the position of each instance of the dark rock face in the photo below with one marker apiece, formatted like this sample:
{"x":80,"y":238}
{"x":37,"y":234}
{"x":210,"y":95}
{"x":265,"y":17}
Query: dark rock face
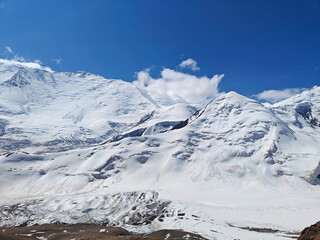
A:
{"x":311,"y":233}
{"x":18,"y":80}
{"x":305,"y":110}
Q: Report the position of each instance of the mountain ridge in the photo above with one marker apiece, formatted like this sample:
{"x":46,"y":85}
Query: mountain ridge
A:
{"x":92,"y":149}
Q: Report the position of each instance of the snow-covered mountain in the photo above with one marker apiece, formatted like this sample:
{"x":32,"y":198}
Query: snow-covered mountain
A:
{"x":77,"y":147}
{"x":42,"y":109}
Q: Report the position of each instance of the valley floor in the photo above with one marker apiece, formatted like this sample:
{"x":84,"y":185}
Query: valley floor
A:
{"x":222,"y":215}
{"x":87,"y":232}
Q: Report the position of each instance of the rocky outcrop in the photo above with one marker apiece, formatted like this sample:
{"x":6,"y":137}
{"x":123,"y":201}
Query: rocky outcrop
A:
{"x":311,"y":233}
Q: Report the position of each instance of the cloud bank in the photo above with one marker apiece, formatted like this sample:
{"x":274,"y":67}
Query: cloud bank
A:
{"x":22,"y":62}
{"x":274,"y":96}
{"x":190,"y":64}
{"x":19,"y":60}
{"x":178,"y":87}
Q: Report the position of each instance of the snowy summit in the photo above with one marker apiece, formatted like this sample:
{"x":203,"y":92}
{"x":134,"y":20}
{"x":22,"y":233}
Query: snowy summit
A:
{"x":76,"y":147}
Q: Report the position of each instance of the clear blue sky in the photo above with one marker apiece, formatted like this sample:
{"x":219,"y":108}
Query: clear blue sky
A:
{"x":258,"y":45}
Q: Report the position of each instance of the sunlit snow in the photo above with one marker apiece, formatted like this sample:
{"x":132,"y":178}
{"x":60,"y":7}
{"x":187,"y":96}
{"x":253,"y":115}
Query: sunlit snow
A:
{"x":76,"y":147}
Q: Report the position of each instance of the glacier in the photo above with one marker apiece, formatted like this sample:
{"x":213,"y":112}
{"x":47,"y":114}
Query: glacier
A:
{"x":76,"y":147}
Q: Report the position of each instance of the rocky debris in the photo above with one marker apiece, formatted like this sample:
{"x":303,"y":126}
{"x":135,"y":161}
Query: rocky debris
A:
{"x":175,"y":234}
{"x":311,"y":233}
{"x":86,"y":232}
{"x":129,"y":208}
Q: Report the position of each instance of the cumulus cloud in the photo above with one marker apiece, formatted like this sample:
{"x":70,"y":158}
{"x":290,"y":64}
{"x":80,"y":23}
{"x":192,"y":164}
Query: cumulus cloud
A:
{"x":9,"y":49}
{"x":173,"y":87}
{"x":274,"y":96}
{"x":190,"y":64}
{"x":22,"y":62}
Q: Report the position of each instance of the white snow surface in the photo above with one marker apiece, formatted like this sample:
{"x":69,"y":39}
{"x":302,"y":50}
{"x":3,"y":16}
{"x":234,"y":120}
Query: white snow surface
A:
{"x":76,"y":147}
{"x":59,"y":111}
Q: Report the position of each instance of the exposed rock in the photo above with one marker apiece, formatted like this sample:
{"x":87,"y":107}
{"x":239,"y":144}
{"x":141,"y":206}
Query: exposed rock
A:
{"x":86,"y":232}
{"x":175,"y":234}
{"x":311,"y":233}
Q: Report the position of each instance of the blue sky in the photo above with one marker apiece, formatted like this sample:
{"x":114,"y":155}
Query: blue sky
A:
{"x":257,"y":45}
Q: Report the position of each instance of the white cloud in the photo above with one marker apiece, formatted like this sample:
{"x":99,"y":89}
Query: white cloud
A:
{"x":22,"y":62}
{"x":173,"y":87}
{"x":274,"y":96}
{"x":19,"y":58}
{"x":38,"y":61}
{"x":189,"y":63}
{"x":58,"y":60}
{"x":9,"y":49}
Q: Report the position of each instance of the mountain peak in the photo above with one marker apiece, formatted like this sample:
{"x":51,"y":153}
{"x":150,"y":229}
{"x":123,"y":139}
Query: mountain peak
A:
{"x":71,"y":141}
{"x":19,"y":79}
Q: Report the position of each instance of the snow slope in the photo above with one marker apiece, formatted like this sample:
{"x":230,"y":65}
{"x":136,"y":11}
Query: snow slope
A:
{"x":235,"y":169}
{"x":42,"y":109}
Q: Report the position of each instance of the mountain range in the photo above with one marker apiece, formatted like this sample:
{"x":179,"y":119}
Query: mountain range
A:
{"x":77,"y":147}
